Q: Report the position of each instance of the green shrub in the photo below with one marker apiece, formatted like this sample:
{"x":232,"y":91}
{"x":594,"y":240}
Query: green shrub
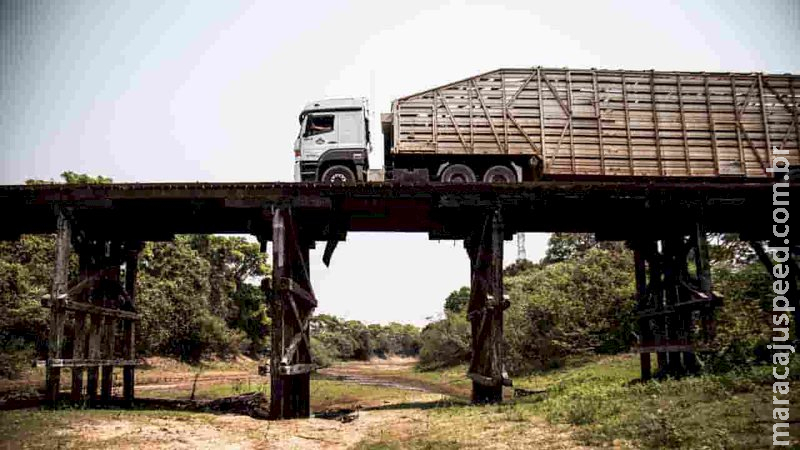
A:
{"x":445,"y":343}
{"x":15,"y":358}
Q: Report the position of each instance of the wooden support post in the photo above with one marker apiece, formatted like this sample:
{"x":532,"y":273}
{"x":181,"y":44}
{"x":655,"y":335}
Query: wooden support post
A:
{"x":93,"y":252}
{"x":79,"y":352}
{"x":656,"y":292}
{"x":641,"y":296}
{"x":109,"y":337}
{"x":129,"y":342}
{"x":703,"y":275}
{"x":291,"y":308}
{"x":485,"y":311}
{"x":80,"y":346}
{"x":672,"y":255}
{"x":57,"y":313}
{"x":93,"y":372}
{"x":112,"y":298}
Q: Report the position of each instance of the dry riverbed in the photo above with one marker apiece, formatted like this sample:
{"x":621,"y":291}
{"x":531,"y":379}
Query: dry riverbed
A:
{"x":394,"y":406}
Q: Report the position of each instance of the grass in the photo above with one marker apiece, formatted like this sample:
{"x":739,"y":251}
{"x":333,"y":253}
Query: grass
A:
{"x":39,"y":428}
{"x":597,"y":402}
{"x":602,"y":403}
{"x":606,"y":403}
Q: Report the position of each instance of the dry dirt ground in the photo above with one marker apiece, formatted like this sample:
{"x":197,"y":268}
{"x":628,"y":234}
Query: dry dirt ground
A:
{"x":390,"y":422}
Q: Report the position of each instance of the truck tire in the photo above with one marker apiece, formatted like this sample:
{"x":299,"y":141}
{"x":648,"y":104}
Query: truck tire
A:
{"x":500,"y":174}
{"x":338,"y":175}
{"x":458,"y":173}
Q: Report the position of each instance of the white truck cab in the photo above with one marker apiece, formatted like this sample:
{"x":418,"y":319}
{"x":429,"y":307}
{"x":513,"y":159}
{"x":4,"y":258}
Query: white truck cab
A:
{"x":333,"y":145}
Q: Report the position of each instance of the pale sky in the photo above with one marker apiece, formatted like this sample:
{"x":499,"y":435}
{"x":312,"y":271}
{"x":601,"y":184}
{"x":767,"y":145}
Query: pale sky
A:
{"x":211,"y":91}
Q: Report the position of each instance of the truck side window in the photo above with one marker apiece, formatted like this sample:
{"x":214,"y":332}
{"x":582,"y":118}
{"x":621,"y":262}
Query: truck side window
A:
{"x":318,"y":125}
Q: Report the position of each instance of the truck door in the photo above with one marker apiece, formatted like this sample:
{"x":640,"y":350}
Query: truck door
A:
{"x":350,"y":126}
{"x":319,"y":135}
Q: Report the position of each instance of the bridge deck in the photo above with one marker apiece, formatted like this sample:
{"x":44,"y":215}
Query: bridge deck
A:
{"x":616,"y":209}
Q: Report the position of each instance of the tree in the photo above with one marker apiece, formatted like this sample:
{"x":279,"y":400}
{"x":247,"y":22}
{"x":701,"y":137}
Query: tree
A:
{"x":82,"y":178}
{"x":445,"y":342}
{"x":173,"y":302}
{"x":457,"y":301}
{"x":564,"y":246}
{"x":582,"y":304}
{"x":518,"y":266}
{"x":233,"y":262}
{"x":25,"y":274}
{"x":74,"y":178}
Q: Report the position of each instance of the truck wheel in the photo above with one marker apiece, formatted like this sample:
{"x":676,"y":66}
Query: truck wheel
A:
{"x":458,"y":173}
{"x":500,"y":174}
{"x":338,"y":175}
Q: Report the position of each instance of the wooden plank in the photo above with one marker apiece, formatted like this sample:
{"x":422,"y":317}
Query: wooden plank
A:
{"x":683,"y":126}
{"x":505,"y":111}
{"x":564,"y":108}
{"x":57,"y":313}
{"x":109,"y":338}
{"x":129,"y":326}
{"x":664,"y":348}
{"x":76,"y":306}
{"x":289,"y":351}
{"x":640,"y":275}
{"x":96,"y":322}
{"x":541,"y":113}
{"x":597,"y":114}
{"x":711,"y":126}
{"x":300,"y":293}
{"x":524,"y":134}
{"x":488,"y":117}
{"x":627,"y":123}
{"x":764,"y":118}
{"x":742,"y":128}
{"x":452,"y":119}
{"x":484,"y":380}
{"x":736,"y":118}
{"x":301,"y":324}
{"x":78,"y":352}
{"x":435,"y":119}
{"x":88,"y":362}
{"x":296,"y":369}
{"x":521,"y":88}
{"x":471,"y":121}
{"x":569,"y":119}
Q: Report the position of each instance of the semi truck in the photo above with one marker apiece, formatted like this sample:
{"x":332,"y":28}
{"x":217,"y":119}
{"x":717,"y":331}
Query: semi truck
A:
{"x":516,"y":125}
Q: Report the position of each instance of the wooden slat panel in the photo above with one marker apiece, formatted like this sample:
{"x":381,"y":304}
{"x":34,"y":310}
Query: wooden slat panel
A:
{"x":720,"y":122}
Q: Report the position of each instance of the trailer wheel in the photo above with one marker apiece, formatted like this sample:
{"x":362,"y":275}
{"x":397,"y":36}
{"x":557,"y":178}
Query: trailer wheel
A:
{"x":458,"y":173}
{"x":500,"y":174}
{"x":338,"y":175}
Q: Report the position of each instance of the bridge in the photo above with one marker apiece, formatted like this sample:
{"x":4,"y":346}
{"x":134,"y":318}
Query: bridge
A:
{"x":665,"y":222}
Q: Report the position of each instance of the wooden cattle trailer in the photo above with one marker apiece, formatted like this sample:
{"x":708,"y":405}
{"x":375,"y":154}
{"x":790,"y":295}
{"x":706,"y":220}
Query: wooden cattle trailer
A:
{"x":562,"y":122}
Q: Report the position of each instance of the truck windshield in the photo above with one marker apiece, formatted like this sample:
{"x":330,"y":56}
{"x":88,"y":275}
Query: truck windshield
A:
{"x":318,"y":124}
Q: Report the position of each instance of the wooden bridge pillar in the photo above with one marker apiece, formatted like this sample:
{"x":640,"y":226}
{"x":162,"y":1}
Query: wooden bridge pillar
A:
{"x":292,"y":305}
{"x":485,"y":311}
{"x":132,"y":251}
{"x":97,"y":304}
{"x":57,"y":311}
{"x":675,"y":307}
